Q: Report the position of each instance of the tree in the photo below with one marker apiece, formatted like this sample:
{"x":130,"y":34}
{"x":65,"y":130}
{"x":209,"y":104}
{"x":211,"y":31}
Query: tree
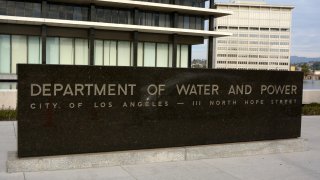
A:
{"x":305,"y":68}
{"x":316,"y":66}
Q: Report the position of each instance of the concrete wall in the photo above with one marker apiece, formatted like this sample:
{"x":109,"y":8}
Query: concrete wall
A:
{"x":8,"y":98}
{"x":311,"y":96}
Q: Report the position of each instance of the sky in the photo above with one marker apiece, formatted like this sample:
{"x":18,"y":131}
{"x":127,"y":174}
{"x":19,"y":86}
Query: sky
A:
{"x":305,"y":37}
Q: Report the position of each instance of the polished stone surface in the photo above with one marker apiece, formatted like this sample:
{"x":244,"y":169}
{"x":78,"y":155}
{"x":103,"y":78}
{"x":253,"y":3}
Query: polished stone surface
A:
{"x":165,"y":120}
{"x":291,"y":166}
{"x":122,"y":158}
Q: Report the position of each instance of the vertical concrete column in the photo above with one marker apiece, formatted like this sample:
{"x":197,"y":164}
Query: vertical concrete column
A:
{"x":91,"y":46}
{"x":91,"y":33}
{"x":92,"y":12}
{"x":135,"y":37}
{"x":210,"y":39}
{"x":189,"y":56}
{"x":44,"y":7}
{"x":135,"y":48}
{"x":174,"y":51}
{"x":44,"y":44}
{"x":174,"y":24}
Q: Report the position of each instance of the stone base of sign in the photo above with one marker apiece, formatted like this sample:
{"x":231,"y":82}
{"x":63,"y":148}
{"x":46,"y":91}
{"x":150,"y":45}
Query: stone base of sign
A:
{"x":94,"y":160}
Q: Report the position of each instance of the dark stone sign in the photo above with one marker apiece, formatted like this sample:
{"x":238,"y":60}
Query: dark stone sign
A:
{"x":86,"y":109}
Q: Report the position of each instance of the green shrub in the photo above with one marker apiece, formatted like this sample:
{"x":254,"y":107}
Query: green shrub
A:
{"x":311,"y":109}
{"x":8,"y":115}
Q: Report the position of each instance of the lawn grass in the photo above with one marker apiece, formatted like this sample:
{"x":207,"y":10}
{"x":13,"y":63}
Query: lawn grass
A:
{"x":8,"y":115}
{"x":311,"y":109}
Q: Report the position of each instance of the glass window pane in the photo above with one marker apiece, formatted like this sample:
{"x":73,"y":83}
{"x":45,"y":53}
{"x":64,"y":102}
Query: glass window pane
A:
{"x":162,"y":55}
{"x":180,"y":21}
{"x":198,"y":23}
{"x":19,"y":51}
{"x":3,"y":7}
{"x":28,"y":9}
{"x":19,"y":8}
{"x":34,"y":50}
{"x":52,"y":50}
{"x":170,"y":55}
{"x":162,"y":20}
{"x":184,"y":56}
{"x":149,"y":54}
{"x":106,"y":53}
{"x":192,"y":22}
{"x":98,"y":52}
{"x":124,"y":53}
{"x":66,"y":51}
{"x":5,"y":54}
{"x":186,"y":23}
{"x":77,"y":13}
{"x":5,"y":85}
{"x":178,"y":56}
{"x":11,"y":8}
{"x":81,"y":52}
{"x":140,"y":54}
{"x":36,"y":11}
{"x":113,"y":53}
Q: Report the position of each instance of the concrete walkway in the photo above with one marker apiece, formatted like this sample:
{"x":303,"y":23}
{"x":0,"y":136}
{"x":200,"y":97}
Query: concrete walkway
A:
{"x":300,"y":165}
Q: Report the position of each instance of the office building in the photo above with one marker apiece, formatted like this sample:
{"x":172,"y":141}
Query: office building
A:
{"x":154,"y":33}
{"x":261,"y":36}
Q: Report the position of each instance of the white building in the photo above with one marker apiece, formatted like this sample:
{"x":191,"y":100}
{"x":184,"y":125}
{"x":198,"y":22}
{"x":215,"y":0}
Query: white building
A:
{"x":261,"y":36}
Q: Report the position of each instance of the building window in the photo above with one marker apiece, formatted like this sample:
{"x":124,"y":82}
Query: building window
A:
{"x":70,"y":12}
{"x":284,"y":36}
{"x":222,"y":55}
{"x":263,"y":56}
{"x":284,"y":43}
{"x":274,"y":36}
{"x":194,"y":3}
{"x":16,"y":49}
{"x":154,"y":19}
{"x":274,"y":50}
{"x":113,"y":53}
{"x":190,"y":22}
{"x":254,"y":35}
{"x":243,"y":35}
{"x":20,"y":8}
{"x":264,"y":49}
{"x":5,"y":54}
{"x":154,"y":54}
{"x":67,"y":51}
{"x":264,"y":36}
{"x":182,"y":56}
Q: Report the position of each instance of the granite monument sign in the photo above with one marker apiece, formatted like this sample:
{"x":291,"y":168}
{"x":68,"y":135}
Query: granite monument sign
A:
{"x":85,"y":109}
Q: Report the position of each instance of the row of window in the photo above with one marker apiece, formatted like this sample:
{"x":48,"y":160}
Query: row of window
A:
{"x":258,"y":8}
{"x":75,"y":51}
{"x":260,"y":68}
{"x":20,"y":8}
{"x":275,"y":43}
{"x":194,"y":3}
{"x":253,"y":63}
{"x":252,"y":56}
{"x":103,"y":14}
{"x":252,"y":49}
{"x":261,"y":36}
{"x":120,"y":53}
{"x":254,"y":28}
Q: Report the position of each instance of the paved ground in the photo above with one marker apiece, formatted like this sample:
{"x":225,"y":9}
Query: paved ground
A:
{"x":300,"y":166}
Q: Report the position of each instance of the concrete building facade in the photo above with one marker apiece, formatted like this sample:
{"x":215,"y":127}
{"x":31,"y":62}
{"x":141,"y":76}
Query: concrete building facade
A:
{"x":144,"y":33}
{"x":153,"y":33}
{"x":261,"y":36}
